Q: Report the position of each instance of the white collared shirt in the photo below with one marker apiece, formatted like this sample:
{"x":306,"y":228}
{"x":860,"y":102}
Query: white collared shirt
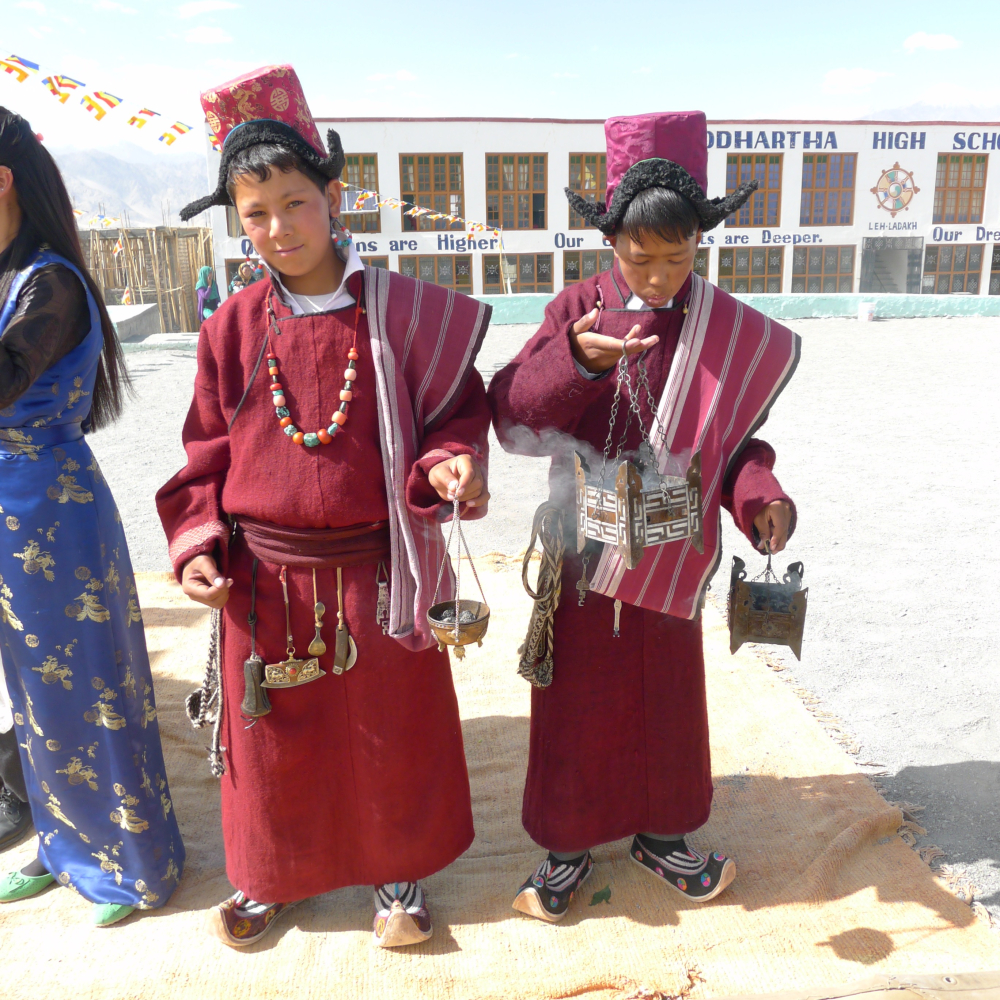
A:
{"x":305,"y":305}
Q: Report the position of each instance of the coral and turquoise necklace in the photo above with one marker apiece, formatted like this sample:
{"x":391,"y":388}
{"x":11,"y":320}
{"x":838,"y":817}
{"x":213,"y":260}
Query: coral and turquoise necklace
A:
{"x":339,"y":417}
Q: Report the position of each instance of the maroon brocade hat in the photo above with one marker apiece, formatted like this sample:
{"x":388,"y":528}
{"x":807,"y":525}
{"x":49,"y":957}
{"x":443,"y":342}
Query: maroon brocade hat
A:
{"x":272,"y":92}
{"x":667,"y":149}
{"x":680,"y":136}
{"x":265,"y":106}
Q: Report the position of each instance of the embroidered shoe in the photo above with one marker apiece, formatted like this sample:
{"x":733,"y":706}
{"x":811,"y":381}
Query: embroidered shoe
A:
{"x":552,"y":886}
{"x":15,"y":886}
{"x":239,"y":921}
{"x":401,"y":915}
{"x":697,"y":876}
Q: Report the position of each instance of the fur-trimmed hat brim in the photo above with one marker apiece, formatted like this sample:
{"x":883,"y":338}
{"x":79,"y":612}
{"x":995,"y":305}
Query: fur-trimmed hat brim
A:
{"x":658,"y":173}
{"x":265,"y":131}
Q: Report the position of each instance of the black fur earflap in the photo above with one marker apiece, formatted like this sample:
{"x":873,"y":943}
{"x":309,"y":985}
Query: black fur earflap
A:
{"x":258,"y":132}
{"x":658,"y":173}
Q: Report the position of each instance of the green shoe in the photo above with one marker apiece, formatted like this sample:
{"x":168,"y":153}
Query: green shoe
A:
{"x":106,"y":914}
{"x":14,"y":885}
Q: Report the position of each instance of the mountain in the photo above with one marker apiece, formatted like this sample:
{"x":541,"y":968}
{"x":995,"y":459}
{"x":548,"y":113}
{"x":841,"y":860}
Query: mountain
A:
{"x":132,"y":183}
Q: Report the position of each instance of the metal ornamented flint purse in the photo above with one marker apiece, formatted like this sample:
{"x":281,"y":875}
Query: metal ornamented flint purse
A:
{"x":765,"y":609}
{"x":643,"y":507}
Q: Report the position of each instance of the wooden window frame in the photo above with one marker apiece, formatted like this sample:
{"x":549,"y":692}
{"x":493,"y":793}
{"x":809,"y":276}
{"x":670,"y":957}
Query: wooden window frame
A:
{"x":379,"y":260}
{"x":513,"y":263}
{"x":819,"y":193}
{"x":957,"y":180}
{"x":442,"y":193}
{"x":700,"y":266}
{"x":771,"y":277}
{"x":816,"y":275}
{"x":592,"y":193}
{"x":582,"y":258}
{"x":233,"y":221}
{"x":763,"y":207}
{"x":367,"y":221}
{"x":994,"y":288}
{"x":938,"y":254}
{"x":422,"y":259}
{"x":517,"y":207}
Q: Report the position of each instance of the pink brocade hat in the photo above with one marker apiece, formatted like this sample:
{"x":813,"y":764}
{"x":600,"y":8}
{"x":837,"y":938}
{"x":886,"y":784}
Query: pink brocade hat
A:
{"x":680,"y":136}
{"x":665,"y":149}
{"x":265,"y":106}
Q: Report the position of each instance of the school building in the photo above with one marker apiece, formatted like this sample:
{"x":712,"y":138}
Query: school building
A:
{"x":842,"y":207}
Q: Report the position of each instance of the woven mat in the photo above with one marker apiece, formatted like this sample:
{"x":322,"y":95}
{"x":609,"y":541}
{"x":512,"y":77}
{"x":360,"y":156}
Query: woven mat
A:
{"x":826,"y":892}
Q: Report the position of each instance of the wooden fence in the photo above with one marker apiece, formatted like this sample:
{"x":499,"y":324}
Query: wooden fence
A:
{"x":156,"y":265}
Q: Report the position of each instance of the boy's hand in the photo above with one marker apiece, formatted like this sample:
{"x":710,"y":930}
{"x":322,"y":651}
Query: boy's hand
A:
{"x":202,"y":582}
{"x":598,"y":353}
{"x":460,"y":477}
{"x":772,"y":524}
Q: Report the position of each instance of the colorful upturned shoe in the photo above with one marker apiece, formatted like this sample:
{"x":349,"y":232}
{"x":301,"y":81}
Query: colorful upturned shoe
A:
{"x":697,"y":876}
{"x":106,"y":914}
{"x":401,"y":915}
{"x":14,"y":886}
{"x":239,"y":921}
{"x":551,"y":888}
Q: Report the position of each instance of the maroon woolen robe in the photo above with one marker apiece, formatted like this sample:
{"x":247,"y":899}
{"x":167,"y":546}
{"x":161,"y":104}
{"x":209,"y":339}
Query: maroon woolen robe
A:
{"x":619,"y":740}
{"x":352,"y":779}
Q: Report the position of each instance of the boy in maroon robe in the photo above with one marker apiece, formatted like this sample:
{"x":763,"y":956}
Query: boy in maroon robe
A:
{"x":316,"y":485}
{"x":619,"y":731}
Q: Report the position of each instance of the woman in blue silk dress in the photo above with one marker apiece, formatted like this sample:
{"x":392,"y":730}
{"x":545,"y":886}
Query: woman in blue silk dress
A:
{"x":71,"y":634}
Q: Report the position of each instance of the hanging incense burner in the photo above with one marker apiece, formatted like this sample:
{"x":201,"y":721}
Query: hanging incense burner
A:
{"x":767,"y":610}
{"x":460,"y":622}
{"x":641,"y":506}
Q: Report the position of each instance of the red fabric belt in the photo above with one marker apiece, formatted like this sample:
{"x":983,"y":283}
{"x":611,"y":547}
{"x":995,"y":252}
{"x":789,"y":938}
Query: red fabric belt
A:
{"x":319,"y":548}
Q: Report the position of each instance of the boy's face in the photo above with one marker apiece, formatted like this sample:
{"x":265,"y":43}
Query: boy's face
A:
{"x":655,"y":269}
{"x":287,"y":219}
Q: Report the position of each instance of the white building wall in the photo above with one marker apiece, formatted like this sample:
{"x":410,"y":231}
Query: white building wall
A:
{"x":879,"y":146}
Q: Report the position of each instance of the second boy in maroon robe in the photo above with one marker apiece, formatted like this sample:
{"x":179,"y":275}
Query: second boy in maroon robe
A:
{"x":619,"y":741}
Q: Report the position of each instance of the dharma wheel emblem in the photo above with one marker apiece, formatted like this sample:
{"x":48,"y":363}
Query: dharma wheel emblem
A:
{"x":895,"y":190}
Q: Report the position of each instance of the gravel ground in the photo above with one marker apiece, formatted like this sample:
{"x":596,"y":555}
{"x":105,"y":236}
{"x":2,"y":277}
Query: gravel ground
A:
{"x":886,"y":438}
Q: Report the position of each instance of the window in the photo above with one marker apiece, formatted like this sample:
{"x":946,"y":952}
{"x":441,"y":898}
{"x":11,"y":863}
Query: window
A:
{"x":751,"y":269}
{"x":588,"y":177}
{"x":995,"y":271}
{"x":959,"y":187}
{"x":526,"y":272}
{"x":234,"y":225}
{"x":701,"y":263}
{"x":382,"y":262}
{"x":516,"y":184}
{"x":433,"y":181}
{"x":953,"y":269}
{"x":360,"y":172}
{"x":764,"y":206}
{"x":578,"y":265}
{"x":828,"y":189}
{"x":444,"y":269}
{"x":823,"y":269}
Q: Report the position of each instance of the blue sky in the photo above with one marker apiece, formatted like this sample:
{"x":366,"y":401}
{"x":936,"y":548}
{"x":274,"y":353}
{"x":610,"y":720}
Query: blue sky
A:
{"x":513,"y":58}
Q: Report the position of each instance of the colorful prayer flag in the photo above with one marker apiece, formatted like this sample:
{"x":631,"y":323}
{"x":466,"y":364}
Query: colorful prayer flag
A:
{"x":179,"y":127}
{"x":119,"y":248}
{"x":127,"y":296}
{"x":26,"y":63}
{"x":77,"y":212}
{"x":216,"y":145}
{"x":109,"y":99}
{"x":141,"y":117}
{"x":60,"y":86}
{"x":92,"y":106}
{"x":14,"y":70}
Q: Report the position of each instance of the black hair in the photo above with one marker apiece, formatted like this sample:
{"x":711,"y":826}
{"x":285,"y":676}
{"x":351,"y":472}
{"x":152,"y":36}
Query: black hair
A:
{"x":47,"y":220}
{"x":660,"y":212}
{"x":260,"y":160}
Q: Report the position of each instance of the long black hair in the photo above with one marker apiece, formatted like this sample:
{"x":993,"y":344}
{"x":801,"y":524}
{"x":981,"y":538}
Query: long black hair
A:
{"x":47,"y":220}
